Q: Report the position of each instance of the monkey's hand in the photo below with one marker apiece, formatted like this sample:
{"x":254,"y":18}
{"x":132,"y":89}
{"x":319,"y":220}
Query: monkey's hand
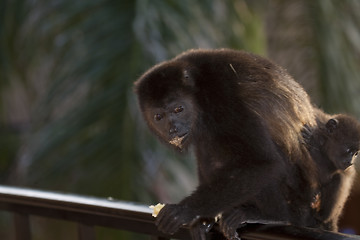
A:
{"x":306,"y":133}
{"x":173,"y":216}
{"x":229,"y":223}
{"x":235,"y":220}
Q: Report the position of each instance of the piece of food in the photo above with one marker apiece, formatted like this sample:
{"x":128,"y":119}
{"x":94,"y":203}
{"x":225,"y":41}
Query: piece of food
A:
{"x":176,"y":141}
{"x":156,"y":209}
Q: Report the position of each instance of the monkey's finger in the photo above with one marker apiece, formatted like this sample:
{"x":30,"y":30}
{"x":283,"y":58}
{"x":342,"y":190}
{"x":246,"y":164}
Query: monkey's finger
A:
{"x":165,"y":215}
{"x":231,"y":233}
{"x":229,"y":229}
{"x":209,"y":226}
{"x":169,"y":223}
{"x":173,"y":227}
{"x":235,"y":237}
{"x":233,"y":219}
{"x":195,"y":221}
{"x":162,"y":220}
{"x":230,"y":223}
{"x":198,"y":232}
{"x":164,"y":225}
{"x":168,"y":227}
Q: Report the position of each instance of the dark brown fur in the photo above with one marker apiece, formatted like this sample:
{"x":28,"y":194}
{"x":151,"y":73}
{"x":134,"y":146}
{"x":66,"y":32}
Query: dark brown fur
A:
{"x":246,"y":130}
{"x":334,"y":145}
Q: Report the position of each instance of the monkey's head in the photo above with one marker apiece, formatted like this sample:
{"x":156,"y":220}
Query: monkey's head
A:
{"x":342,"y":143}
{"x":214,"y":96}
{"x":165,"y":98}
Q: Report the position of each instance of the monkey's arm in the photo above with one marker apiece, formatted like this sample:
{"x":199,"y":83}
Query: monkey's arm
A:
{"x":229,"y":189}
{"x":329,"y":196}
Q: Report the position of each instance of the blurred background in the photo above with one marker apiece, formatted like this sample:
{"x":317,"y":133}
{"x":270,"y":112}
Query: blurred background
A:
{"x":69,"y":120}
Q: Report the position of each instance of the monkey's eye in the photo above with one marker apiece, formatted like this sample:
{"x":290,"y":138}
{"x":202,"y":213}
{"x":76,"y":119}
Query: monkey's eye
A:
{"x":158,"y":117}
{"x":178,"y":109}
{"x":356,"y":154}
{"x":352,"y":152}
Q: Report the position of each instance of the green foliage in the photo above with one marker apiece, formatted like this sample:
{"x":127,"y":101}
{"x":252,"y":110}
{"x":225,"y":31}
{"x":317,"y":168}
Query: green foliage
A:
{"x":168,"y":27}
{"x":337,"y":41}
{"x":77,"y":74}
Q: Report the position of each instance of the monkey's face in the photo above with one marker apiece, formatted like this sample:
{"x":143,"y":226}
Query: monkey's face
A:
{"x":342,"y":155}
{"x":173,"y":120}
{"x":341,"y":149}
{"x":342,"y":144}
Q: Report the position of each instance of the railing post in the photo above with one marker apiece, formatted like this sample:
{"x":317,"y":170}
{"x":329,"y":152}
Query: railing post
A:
{"x":22,"y":226}
{"x":86,"y":232}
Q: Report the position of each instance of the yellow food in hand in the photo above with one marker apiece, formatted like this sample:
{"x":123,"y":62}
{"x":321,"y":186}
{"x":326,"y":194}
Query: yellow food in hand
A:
{"x":156,"y":209}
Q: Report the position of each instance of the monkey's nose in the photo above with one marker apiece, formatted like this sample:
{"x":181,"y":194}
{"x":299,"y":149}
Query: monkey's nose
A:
{"x":173,"y":130}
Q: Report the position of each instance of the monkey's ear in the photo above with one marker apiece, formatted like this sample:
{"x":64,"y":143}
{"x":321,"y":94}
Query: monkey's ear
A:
{"x":331,"y":125}
{"x":188,"y":79}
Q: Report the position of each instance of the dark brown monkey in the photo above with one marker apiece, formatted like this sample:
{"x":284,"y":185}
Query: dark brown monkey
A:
{"x":244,"y":115}
{"x":334,"y":146}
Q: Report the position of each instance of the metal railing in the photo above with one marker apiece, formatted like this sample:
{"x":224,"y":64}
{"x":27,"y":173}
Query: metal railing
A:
{"x":89,"y":212}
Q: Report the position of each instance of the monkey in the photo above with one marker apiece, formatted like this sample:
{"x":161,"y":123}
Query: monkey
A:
{"x":268,"y":207}
{"x":243,"y":115}
{"x":334,"y":145}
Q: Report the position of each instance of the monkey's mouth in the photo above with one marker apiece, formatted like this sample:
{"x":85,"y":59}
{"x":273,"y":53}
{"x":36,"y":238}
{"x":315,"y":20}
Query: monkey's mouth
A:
{"x":178,"y":140}
{"x":346,"y":165}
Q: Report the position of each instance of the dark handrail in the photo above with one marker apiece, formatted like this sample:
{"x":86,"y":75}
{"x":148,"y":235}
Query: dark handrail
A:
{"x":90,"y":211}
